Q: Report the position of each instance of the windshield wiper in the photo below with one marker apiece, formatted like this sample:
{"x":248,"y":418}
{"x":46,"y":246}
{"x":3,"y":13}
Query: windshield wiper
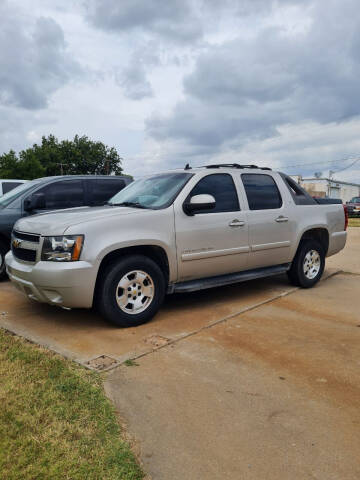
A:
{"x":128,"y":204}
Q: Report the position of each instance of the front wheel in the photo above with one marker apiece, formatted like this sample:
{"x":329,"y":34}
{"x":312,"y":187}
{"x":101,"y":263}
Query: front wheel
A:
{"x":308,"y":264}
{"x":131,"y":291}
{"x":3,"y":251}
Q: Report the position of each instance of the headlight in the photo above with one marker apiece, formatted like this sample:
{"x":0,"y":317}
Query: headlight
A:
{"x":62,"y":249}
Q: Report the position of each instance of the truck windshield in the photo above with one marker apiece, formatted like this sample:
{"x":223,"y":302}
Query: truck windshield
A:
{"x":9,"y":197}
{"x":157,"y":191}
{"x":355,"y":200}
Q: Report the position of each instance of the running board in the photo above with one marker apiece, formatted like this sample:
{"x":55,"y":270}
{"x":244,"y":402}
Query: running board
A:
{"x":220,"y":280}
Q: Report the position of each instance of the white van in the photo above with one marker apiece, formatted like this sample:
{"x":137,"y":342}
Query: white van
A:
{"x":7,"y":185}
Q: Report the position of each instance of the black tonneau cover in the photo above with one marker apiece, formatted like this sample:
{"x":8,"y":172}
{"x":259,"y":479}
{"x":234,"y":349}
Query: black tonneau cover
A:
{"x":327,"y":201}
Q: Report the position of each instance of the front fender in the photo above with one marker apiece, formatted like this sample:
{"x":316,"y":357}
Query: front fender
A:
{"x":150,"y":242}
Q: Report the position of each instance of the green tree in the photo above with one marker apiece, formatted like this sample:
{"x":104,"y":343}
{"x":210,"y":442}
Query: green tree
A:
{"x":68,"y":157}
{"x":8,"y":164}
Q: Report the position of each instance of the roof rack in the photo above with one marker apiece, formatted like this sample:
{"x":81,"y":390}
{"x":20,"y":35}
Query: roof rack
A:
{"x":235,"y":165}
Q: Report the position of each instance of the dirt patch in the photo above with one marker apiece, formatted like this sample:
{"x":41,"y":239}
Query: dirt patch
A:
{"x":156,"y":341}
{"x":102,"y":363}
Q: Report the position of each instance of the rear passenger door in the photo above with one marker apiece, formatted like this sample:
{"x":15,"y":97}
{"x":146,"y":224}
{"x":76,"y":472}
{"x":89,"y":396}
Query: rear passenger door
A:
{"x":99,"y":191}
{"x":270,"y":227}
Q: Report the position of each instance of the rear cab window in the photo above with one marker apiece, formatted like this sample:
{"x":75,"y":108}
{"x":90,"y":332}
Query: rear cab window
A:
{"x":262,"y":191}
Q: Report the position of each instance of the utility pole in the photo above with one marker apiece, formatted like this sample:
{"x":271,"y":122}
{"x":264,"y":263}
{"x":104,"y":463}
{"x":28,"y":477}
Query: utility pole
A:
{"x":331,"y":173}
{"x":61,"y":168}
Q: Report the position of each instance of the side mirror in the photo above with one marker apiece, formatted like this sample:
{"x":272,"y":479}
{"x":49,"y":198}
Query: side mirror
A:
{"x":35,"y":202}
{"x":199,"y":203}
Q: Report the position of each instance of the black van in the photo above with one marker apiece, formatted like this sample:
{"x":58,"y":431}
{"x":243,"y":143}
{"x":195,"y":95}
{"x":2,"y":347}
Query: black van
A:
{"x":53,"y":193}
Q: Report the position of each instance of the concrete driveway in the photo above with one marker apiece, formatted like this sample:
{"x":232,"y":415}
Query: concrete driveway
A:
{"x":251,"y":381}
{"x":83,"y":335}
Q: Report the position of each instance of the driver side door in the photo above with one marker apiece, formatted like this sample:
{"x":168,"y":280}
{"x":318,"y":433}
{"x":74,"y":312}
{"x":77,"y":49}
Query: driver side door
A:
{"x":212,"y":242}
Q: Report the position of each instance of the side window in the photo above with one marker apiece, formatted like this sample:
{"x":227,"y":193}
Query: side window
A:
{"x":261,"y":191}
{"x":221,"y":187}
{"x":100,"y":191}
{"x":63,"y":194}
{"x":7,"y":186}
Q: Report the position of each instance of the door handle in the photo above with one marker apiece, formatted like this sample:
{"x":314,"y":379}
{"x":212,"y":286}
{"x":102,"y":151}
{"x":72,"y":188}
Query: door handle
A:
{"x":236,"y":223}
{"x":281,"y":218}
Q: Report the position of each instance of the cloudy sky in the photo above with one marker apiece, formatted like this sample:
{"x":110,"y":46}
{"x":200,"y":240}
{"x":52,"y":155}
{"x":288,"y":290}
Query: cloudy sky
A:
{"x":169,"y":82}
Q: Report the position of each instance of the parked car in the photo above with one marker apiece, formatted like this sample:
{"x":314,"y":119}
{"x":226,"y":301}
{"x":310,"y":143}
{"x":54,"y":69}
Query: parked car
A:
{"x":354,"y":206}
{"x":178,"y":231}
{"x":53,"y":193}
{"x":7,"y":185}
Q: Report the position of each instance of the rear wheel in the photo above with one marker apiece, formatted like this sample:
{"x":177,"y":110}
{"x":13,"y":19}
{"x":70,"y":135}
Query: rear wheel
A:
{"x":308,"y":264}
{"x":131,"y":291}
{"x":3,"y":251}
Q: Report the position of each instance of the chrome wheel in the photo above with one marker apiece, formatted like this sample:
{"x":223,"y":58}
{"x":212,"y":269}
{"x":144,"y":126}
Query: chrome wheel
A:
{"x":312,"y":264}
{"x":135,"y":292}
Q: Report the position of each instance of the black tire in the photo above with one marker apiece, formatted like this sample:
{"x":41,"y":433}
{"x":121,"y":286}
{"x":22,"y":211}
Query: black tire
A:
{"x":109,"y":288}
{"x":3,"y":251}
{"x":296,"y":274}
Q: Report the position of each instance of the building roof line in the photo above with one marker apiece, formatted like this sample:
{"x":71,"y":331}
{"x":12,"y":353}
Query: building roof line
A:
{"x":332,"y":180}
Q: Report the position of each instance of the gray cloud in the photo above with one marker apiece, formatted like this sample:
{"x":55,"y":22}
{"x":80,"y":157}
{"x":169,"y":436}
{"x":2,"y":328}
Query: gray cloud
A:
{"x":174,"y":20}
{"x":165,"y":24}
{"x":134,"y":81}
{"x":155,"y":25}
{"x":244,"y":89}
{"x":133,"y":77}
{"x":33,"y":60}
{"x":177,"y":21}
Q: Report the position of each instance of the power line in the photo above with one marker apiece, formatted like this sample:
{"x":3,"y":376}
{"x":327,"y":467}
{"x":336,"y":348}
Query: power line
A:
{"x":328,"y":162}
{"x":353,"y":163}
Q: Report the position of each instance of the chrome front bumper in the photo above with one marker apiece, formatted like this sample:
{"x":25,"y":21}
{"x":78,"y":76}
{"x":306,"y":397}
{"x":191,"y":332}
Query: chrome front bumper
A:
{"x":69,"y":285}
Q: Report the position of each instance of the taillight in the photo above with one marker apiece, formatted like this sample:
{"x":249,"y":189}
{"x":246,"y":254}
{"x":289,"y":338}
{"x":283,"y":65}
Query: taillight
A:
{"x":346,"y":217}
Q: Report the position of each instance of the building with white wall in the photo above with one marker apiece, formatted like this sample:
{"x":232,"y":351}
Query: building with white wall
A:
{"x":327,"y":187}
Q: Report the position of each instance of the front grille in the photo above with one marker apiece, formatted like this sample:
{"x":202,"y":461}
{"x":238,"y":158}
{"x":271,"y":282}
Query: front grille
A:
{"x":24,"y":254}
{"x":27,"y":237}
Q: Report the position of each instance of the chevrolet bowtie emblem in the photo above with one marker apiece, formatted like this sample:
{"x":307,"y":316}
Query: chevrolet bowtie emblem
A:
{"x":16,"y":243}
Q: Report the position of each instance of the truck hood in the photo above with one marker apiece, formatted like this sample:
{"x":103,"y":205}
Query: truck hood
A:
{"x":56,"y":223}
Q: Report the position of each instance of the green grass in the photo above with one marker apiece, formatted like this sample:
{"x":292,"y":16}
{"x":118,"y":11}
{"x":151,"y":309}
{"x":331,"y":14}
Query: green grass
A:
{"x":354,"y":222}
{"x":55,"y":420}
{"x":131,"y":363}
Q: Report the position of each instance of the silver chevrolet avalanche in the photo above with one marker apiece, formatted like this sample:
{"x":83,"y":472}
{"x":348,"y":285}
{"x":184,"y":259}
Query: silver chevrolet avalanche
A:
{"x":178,"y":231}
